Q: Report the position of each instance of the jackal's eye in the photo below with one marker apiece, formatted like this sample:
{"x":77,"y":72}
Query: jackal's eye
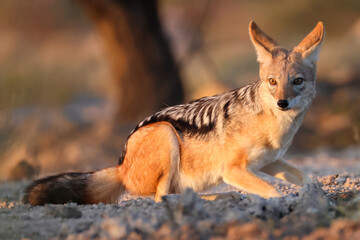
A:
{"x":298,"y":81}
{"x":272,"y":81}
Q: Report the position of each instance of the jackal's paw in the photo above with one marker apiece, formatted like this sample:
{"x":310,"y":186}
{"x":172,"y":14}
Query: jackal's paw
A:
{"x":227,"y":195}
{"x":272,"y":194}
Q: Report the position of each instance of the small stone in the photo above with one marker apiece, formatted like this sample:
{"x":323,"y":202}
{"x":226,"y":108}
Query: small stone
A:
{"x":312,"y":210}
{"x":188,"y":200}
{"x":114,"y":228}
{"x":63,"y":211}
{"x":24,"y":217}
{"x":164,"y":233}
{"x":135,"y":236}
{"x":187,"y":231}
{"x":246,"y":231}
{"x":340,"y":180}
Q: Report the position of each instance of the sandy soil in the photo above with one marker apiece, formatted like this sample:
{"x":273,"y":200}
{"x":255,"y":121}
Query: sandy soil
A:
{"x":329,"y":208}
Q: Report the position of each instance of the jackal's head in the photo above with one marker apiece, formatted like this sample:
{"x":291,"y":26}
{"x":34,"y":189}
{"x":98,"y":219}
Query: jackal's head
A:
{"x":287,"y":77}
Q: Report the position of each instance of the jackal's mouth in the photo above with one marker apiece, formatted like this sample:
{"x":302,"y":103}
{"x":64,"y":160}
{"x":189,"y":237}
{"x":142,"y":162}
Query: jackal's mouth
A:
{"x":284,"y":109}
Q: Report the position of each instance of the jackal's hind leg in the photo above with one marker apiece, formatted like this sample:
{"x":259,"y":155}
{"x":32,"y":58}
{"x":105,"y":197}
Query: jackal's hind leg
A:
{"x":165,"y":181}
{"x":152,"y":160}
{"x":285,"y":171}
{"x":162,"y":187}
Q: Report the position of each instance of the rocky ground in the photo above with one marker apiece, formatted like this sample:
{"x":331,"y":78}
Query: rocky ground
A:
{"x":327,"y":209}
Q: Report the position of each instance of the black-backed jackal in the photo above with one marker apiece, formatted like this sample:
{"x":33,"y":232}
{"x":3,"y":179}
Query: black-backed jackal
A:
{"x":230,"y":137}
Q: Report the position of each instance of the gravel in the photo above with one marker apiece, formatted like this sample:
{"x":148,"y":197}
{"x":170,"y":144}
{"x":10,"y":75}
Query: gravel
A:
{"x":327,"y":208}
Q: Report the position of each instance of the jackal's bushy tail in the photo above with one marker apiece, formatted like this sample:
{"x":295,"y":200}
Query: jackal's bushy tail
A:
{"x":83,"y":188}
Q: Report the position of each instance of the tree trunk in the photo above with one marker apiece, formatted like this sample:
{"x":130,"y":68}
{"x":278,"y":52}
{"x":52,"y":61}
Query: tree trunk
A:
{"x":146,"y":76}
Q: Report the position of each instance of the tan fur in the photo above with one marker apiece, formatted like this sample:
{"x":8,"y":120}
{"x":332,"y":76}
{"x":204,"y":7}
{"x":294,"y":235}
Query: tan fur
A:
{"x":105,"y":186}
{"x":234,"y":137}
{"x":152,"y":160}
{"x":159,"y":161}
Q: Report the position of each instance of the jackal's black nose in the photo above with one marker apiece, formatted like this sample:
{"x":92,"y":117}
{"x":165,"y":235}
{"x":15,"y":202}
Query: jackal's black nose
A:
{"x":283,"y":103}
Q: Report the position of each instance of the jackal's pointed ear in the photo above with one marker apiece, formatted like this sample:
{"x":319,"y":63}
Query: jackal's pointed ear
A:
{"x":262,"y":42}
{"x":310,"y":46}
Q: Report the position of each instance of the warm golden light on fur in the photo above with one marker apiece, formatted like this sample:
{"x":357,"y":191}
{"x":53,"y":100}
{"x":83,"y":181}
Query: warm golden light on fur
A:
{"x":232,"y":137}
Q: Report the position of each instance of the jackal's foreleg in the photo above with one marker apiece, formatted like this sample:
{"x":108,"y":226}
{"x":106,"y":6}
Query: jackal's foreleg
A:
{"x":248,"y":181}
{"x":284,"y":170}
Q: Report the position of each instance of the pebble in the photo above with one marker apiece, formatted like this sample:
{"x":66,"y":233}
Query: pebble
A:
{"x":62,"y":211}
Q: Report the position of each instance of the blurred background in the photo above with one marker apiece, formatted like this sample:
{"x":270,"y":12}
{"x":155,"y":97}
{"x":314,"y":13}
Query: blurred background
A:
{"x":76,"y":76}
